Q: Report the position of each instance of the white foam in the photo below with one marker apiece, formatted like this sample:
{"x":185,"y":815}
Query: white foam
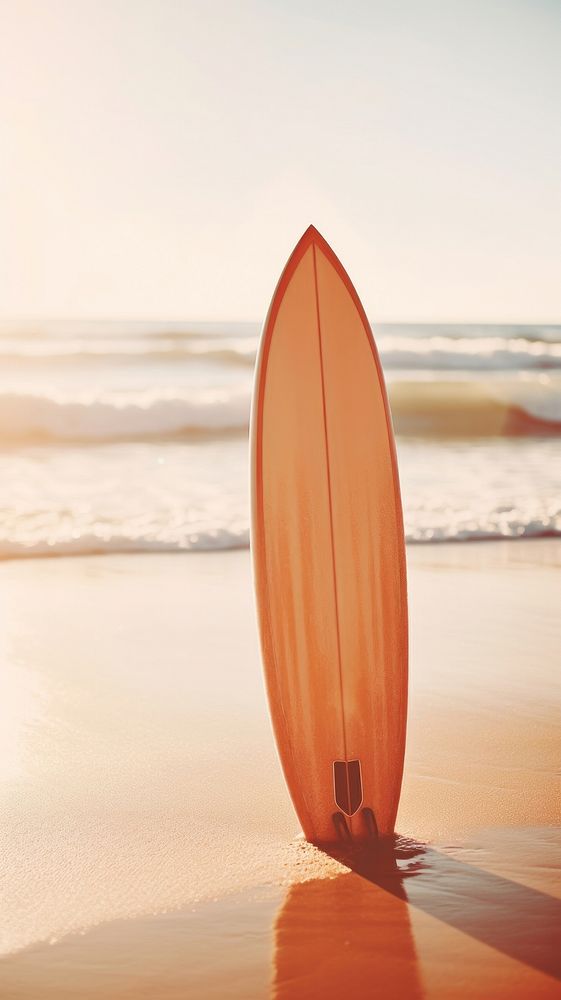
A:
{"x":493,"y":526}
{"x":436,"y":353}
{"x":468,"y":354}
{"x":215,"y":539}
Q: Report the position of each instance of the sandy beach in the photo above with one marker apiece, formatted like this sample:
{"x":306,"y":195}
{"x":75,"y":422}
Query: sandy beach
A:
{"x":149,"y":847}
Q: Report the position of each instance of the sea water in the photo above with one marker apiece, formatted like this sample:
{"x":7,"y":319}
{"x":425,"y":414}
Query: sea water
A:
{"x":134,"y":436}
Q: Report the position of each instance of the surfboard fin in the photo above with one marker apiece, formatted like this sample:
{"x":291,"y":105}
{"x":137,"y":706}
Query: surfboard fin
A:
{"x":370,"y":822}
{"x":347,"y":785}
{"x":341,"y":828}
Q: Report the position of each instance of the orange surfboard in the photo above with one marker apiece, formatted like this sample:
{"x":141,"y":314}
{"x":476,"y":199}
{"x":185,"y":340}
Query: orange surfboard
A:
{"x":328,"y":552}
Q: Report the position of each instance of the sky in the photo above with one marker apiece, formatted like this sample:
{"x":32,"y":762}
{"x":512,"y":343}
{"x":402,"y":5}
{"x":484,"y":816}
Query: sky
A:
{"x":160,"y":158}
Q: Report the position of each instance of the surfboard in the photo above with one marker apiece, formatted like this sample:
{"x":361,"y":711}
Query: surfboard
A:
{"x":328,"y":552}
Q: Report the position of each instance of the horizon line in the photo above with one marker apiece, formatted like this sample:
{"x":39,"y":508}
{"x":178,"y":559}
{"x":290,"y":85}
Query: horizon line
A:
{"x":27,"y":320}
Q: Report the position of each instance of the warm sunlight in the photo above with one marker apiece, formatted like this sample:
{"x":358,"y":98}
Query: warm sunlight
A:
{"x":160,"y":158}
{"x":280,"y":500}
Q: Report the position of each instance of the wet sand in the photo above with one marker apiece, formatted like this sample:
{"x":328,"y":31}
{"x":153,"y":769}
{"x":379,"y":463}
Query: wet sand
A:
{"x":148,"y":845}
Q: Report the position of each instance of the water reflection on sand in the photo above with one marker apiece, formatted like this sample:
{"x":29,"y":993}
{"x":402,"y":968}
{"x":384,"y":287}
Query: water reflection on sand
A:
{"x":366,"y":932}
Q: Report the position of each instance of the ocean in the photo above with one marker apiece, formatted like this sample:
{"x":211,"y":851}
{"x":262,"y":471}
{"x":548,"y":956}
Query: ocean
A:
{"x":133,"y":437}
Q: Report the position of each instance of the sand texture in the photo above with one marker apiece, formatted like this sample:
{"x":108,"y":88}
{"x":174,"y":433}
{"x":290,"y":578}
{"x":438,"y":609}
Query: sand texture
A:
{"x":148,"y":847}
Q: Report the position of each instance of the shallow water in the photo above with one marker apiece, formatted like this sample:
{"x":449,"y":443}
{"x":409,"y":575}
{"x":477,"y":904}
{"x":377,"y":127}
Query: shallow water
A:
{"x":410,"y":921}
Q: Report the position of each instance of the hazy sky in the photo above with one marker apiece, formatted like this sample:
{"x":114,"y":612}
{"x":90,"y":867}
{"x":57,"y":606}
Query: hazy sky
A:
{"x":161,"y":157}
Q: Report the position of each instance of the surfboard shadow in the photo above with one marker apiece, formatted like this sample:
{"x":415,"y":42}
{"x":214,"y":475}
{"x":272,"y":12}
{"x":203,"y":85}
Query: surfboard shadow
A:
{"x":345,"y":937}
{"x":519,"y":922}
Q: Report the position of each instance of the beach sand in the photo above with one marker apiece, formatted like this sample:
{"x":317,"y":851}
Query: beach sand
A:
{"x":148,"y":846}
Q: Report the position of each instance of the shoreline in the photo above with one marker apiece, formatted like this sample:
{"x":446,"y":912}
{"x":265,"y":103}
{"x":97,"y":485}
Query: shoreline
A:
{"x":29,"y":554}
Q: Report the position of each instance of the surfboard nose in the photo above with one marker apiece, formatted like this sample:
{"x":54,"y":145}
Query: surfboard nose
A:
{"x":347,"y":785}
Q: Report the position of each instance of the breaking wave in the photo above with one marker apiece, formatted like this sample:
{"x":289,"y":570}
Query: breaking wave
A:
{"x":440,"y":353}
{"x":436,"y":352}
{"x":426,"y":408}
{"x":466,"y":408}
{"x":126,"y":417}
{"x":122,"y":438}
